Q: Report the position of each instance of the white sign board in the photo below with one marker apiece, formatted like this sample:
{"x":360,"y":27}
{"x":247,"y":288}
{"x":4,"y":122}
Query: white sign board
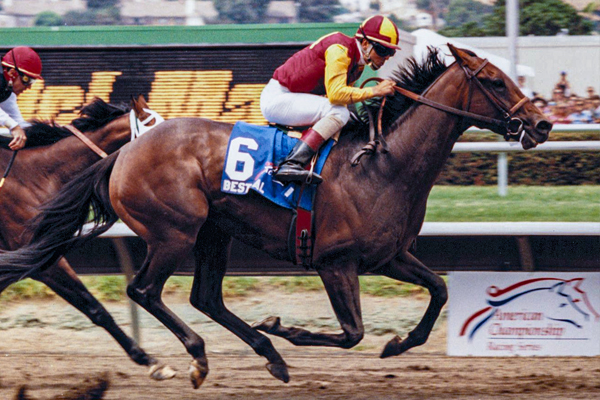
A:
{"x":523,"y":314}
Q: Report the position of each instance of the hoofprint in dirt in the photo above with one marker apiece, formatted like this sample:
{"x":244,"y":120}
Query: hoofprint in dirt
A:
{"x":52,"y":349}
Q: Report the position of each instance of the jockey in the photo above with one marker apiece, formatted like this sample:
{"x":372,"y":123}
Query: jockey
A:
{"x":21,"y":67}
{"x":329,"y":67}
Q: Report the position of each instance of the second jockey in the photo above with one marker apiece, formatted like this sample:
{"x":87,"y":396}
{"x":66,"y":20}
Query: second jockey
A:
{"x":315,"y":86}
{"x":21,"y":67}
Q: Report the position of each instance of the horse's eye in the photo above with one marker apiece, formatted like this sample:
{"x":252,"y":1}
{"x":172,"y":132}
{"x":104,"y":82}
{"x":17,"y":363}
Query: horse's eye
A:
{"x":498,"y":83}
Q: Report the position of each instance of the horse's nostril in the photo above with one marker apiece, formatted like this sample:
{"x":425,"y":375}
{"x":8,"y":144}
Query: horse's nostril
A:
{"x":543,"y":126}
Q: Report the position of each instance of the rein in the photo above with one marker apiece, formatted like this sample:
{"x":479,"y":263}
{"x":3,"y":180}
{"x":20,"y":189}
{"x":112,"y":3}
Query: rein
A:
{"x":8,"y":167}
{"x":514,"y":126}
{"x":86,"y":141}
{"x":138,"y":128}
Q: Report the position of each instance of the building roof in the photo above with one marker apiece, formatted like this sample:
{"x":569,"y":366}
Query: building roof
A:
{"x":152,"y":8}
{"x":34,"y":7}
{"x":579,"y":5}
{"x":167,"y":9}
{"x":282,"y":9}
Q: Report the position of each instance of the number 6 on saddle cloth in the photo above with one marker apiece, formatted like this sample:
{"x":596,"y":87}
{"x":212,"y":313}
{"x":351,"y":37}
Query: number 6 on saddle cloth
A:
{"x":252,"y":154}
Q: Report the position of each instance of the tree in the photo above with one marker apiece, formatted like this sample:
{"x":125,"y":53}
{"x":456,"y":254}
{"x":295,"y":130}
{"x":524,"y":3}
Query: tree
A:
{"x":102,"y":16}
{"x":241,"y":11}
{"x":319,"y":10}
{"x":538,"y":17}
{"x":465,"y":18}
{"x":464,"y":11}
{"x":436,"y":8}
{"x":468,"y":29}
{"x":108,"y":16}
{"x":95,"y":4}
{"x":77,"y":18}
{"x":432,"y":4}
{"x":48,"y":18}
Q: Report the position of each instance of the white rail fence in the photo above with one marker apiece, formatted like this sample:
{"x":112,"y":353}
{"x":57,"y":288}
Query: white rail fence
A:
{"x":502,"y":148}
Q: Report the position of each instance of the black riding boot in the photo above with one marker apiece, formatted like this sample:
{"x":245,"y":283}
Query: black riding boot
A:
{"x":292,"y":168}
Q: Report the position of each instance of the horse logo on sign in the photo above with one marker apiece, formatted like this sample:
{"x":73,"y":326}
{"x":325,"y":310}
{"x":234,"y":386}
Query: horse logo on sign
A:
{"x":565,"y":304}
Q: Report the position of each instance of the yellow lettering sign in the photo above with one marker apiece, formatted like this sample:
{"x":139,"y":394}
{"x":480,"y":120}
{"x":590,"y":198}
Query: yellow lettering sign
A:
{"x":205,"y":94}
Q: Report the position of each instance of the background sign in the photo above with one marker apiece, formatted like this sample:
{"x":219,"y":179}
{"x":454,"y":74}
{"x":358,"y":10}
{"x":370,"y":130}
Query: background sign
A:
{"x":524,"y":314}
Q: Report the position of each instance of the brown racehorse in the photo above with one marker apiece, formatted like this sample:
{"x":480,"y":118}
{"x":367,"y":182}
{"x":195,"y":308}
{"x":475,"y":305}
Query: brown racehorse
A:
{"x":52,"y":157}
{"x":166,"y":188}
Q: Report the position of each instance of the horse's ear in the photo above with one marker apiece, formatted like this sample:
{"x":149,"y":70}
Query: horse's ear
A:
{"x":142,"y":101}
{"x":139,"y":104}
{"x":133,"y":102}
{"x":462,"y":56}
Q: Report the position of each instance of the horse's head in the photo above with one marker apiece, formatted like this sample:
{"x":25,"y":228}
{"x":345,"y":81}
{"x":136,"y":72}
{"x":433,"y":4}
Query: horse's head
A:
{"x":575,"y":297}
{"x":493,"y":94}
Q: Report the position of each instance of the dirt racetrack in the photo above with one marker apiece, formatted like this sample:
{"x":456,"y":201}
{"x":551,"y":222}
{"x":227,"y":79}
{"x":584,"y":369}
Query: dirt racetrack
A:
{"x":51,"y":349}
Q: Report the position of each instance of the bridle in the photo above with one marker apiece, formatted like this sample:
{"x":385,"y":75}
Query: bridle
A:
{"x":513,"y":127}
{"x":137,"y":127}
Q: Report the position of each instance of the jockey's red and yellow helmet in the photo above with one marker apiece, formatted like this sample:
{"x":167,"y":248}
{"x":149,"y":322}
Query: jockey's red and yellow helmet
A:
{"x":381,"y":30}
{"x":25,"y":60}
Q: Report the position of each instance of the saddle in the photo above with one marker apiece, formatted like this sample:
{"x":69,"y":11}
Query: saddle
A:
{"x":292,"y":131}
{"x":253,"y":152}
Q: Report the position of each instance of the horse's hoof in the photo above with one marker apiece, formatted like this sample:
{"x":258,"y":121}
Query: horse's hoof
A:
{"x":270,"y":324}
{"x":161,"y":372}
{"x":392,"y":348}
{"x":279,"y":371}
{"x":198,"y":373}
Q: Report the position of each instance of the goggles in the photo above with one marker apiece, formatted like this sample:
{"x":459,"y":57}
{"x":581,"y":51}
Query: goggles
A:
{"x":26,"y":79}
{"x":382,"y":51}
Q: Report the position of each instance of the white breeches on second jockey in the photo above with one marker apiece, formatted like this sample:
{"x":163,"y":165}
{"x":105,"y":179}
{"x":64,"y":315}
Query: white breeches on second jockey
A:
{"x":281,"y":106}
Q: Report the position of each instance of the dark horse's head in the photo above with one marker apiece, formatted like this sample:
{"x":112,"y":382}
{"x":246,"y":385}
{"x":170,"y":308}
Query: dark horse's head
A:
{"x":92,"y":117}
{"x":486,"y":89}
{"x":495,"y":94}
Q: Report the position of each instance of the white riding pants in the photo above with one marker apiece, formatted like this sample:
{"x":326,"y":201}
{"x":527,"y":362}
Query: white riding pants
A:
{"x":281,"y":106}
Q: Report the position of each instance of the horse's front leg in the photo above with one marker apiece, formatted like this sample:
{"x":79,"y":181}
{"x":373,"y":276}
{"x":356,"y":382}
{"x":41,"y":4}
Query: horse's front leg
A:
{"x":343,"y":289}
{"x":212,"y":252}
{"x":407,"y":268}
{"x":63,"y":281}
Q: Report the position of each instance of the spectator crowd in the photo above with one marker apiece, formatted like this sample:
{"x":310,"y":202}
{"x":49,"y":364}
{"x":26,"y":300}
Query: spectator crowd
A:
{"x":565,"y":106}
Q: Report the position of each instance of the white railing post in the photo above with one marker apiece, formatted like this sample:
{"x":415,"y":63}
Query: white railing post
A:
{"x":502,"y":174}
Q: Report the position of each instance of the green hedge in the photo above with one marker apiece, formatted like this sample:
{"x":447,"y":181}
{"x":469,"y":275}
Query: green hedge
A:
{"x":525,"y":168}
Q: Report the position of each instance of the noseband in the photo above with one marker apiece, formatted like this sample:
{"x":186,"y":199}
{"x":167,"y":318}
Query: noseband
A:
{"x":513,"y":127}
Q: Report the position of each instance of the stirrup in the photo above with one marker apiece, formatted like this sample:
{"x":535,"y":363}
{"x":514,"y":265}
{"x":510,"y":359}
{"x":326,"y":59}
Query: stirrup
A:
{"x":297,"y":176}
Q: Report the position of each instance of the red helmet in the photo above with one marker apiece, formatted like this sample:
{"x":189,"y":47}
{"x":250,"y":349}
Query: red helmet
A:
{"x":25,"y":60}
{"x":381,"y":30}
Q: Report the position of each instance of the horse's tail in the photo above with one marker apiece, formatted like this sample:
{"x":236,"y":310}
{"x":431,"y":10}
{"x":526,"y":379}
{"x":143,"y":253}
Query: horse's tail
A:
{"x":59,"y":225}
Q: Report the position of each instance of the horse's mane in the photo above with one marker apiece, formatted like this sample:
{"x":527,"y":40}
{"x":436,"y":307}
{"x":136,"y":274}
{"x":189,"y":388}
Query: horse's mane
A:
{"x":92,"y":116}
{"x":414,"y":76}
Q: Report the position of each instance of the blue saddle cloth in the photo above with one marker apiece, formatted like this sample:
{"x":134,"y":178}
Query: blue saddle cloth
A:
{"x":252,"y":153}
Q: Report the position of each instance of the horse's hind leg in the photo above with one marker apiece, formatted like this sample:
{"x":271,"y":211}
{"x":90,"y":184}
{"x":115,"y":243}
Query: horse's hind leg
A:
{"x":63,"y":281}
{"x":407,"y":268}
{"x":343,"y":289}
{"x":211,"y":251}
